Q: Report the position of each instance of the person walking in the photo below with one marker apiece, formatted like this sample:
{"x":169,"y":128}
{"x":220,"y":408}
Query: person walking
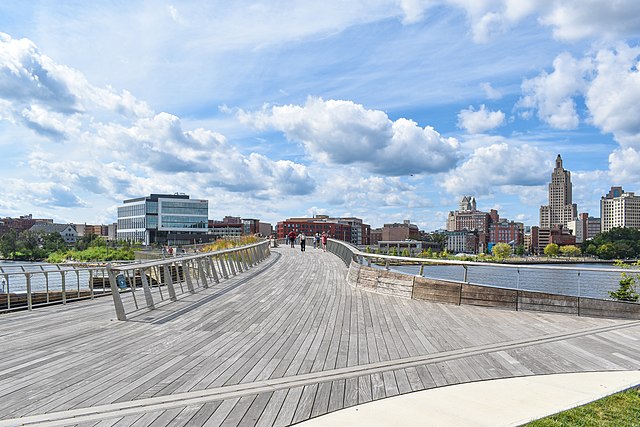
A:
{"x":316,"y":241}
{"x":292,"y":238}
{"x":324,"y":241}
{"x":303,"y":241}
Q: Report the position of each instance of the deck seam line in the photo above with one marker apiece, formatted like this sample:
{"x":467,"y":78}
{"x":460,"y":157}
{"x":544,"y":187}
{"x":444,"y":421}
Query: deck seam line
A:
{"x":239,"y":390}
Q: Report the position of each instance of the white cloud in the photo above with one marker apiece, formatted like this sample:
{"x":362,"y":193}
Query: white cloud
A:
{"x":500,"y":164}
{"x":112,"y":144}
{"x":624,"y":166}
{"x":481,"y":120}
{"x":490,"y":92}
{"x":343,"y":132}
{"x":609,"y":82}
{"x":551,"y":94}
{"x":569,"y":19}
{"x":613,"y":95}
{"x":577,"y":19}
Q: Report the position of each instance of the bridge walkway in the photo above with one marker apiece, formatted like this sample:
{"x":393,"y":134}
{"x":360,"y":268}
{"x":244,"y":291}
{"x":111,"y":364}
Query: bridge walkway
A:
{"x":286,"y":341}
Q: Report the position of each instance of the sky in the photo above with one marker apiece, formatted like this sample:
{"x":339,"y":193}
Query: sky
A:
{"x":381,"y":109}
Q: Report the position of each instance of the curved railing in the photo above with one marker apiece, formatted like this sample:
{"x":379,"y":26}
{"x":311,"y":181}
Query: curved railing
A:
{"x":573,"y":290}
{"x":143,"y":285}
{"x":29,"y":286}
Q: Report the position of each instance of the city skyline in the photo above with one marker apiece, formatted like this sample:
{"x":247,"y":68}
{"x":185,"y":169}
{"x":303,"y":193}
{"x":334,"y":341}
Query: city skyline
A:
{"x":385,"y":110}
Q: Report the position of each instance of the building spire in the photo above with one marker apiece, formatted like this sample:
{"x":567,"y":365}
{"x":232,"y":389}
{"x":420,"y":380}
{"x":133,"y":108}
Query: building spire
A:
{"x":558,"y":162}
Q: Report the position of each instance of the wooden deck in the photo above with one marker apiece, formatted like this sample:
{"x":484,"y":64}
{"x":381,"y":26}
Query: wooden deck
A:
{"x":283,"y":342}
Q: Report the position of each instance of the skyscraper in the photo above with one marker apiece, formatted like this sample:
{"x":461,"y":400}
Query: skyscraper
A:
{"x":560,"y":210}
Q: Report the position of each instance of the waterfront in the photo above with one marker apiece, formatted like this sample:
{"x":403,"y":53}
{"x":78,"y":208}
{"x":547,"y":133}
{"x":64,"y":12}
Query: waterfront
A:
{"x":47,"y":277}
{"x":574,"y":280}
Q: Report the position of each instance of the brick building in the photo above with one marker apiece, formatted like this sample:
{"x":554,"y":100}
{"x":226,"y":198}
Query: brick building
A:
{"x":350,"y":229}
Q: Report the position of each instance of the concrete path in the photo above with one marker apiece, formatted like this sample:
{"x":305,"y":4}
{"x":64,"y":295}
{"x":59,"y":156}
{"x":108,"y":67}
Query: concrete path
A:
{"x":503,"y":402}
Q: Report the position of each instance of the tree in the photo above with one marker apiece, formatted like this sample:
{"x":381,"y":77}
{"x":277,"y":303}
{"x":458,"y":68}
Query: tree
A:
{"x":606,"y":251}
{"x":29,"y":244}
{"x":519,"y":250}
{"x":591,"y":249}
{"x":570,"y":251}
{"x":406,"y":253}
{"x":393,"y":251}
{"x":429,"y":253}
{"x":552,"y":249}
{"x":9,"y":244}
{"x":501,"y":250}
{"x":53,"y":242}
{"x":87,"y":241}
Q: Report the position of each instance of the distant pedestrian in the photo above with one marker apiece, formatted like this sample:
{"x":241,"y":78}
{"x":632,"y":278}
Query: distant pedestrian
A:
{"x":4,"y":284}
{"x":316,"y":241}
{"x":292,"y":238}
{"x":303,"y":241}
{"x":324,"y":241}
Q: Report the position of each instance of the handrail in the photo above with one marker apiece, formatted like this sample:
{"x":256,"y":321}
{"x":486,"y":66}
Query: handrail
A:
{"x":26,"y":288}
{"x":357,"y":252}
{"x":177,"y":276}
{"x":605,"y":279}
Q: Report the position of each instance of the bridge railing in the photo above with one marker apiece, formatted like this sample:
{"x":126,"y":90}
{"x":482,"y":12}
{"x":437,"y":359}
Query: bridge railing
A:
{"x":567,"y":289}
{"x":144,"y":285}
{"x":29,"y":286}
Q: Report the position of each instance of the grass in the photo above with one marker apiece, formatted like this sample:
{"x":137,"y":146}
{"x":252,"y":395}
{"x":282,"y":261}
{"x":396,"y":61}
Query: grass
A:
{"x":621,"y":409}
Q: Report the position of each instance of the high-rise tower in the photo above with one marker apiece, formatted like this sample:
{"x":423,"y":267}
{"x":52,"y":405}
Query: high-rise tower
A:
{"x":560,"y":209}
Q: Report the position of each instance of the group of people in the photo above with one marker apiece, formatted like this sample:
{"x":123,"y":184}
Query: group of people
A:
{"x":318,"y":239}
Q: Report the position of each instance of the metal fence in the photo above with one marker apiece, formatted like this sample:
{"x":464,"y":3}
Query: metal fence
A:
{"x":144,"y":285}
{"x":579,"y":281}
{"x":25,"y":287}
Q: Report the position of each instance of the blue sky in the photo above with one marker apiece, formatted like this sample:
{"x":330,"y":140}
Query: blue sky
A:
{"x":385,"y":110}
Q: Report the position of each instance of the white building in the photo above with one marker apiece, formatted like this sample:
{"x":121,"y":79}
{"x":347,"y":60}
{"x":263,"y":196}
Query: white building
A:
{"x":584,"y":227}
{"x":67,"y":231}
{"x":173,"y":219}
{"x":619,"y":209}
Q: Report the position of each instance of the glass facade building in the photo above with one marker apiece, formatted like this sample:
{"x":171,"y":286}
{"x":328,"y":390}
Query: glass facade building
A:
{"x":172,"y":219}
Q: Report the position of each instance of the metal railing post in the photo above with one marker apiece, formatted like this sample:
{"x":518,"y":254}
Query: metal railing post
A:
{"x":220,"y":259}
{"x":187,"y":276}
{"x":202,"y":274}
{"x":115,"y":292}
{"x":29,"y":296}
{"x":91,"y":284}
{"x":64,"y":286}
{"x":229,"y":259}
{"x":168,"y":281}
{"x":212,"y":266}
{"x":146,"y":289}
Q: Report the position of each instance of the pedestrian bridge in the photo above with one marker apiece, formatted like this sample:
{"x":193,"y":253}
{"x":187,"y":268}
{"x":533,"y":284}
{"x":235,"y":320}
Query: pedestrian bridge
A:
{"x":284,"y":341}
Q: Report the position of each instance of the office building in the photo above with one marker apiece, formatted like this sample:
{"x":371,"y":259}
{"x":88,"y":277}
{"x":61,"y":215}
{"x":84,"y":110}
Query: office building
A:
{"x":584,"y":227}
{"x":561,"y":208}
{"x":172,"y":219}
{"x":619,"y":209}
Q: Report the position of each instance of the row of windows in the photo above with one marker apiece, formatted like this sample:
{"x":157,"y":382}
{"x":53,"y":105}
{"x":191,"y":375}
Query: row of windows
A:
{"x":185,"y":208}
{"x":130,"y":223}
{"x":186,"y":211}
{"x":173,"y":221}
{"x":131,"y":236}
{"x":131,"y":210}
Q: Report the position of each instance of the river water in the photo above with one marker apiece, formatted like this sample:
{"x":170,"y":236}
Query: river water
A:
{"x":13,"y":279}
{"x":572,"y":280}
